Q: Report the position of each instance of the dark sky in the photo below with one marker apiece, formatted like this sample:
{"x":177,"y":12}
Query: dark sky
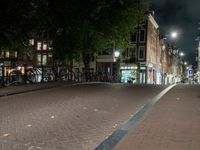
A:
{"x":182,"y":16}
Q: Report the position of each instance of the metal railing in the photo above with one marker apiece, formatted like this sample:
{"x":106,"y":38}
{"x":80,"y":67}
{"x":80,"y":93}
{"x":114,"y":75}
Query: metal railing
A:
{"x":49,"y":74}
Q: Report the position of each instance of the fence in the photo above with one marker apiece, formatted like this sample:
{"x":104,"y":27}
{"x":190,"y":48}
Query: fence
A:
{"x":49,"y":74}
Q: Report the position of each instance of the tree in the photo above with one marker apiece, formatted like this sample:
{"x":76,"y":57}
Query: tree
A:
{"x":91,"y":26}
{"x":77,"y":28}
{"x":17,"y":23}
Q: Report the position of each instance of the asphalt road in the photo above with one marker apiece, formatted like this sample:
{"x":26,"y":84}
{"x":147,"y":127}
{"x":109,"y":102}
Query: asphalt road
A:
{"x":76,"y":117}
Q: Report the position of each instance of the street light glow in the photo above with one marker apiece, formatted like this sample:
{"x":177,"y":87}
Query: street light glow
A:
{"x":185,"y":63}
{"x":116,"y":54}
{"x":174,"y":34}
{"x":181,"y":54}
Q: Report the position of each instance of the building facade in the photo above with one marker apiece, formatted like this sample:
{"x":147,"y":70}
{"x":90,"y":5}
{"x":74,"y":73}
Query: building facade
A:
{"x":142,"y":61}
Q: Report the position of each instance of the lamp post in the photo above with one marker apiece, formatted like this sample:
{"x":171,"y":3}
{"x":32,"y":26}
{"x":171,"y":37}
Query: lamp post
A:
{"x":2,"y":74}
{"x":182,"y":64}
{"x":116,"y":54}
{"x":116,"y":59}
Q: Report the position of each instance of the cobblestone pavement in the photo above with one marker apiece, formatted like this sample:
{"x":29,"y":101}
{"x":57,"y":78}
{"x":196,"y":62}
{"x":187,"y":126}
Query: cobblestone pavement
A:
{"x":76,"y":117}
{"x":172,"y":124}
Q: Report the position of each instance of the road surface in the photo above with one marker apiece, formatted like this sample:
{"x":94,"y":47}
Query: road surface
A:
{"x":75,"y":117}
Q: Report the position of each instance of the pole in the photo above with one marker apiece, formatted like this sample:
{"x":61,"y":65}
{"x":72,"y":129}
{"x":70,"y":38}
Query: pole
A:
{"x":3,"y":76}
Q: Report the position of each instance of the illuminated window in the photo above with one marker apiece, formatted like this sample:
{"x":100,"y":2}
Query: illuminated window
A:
{"x":15,"y":54}
{"x":44,"y":46}
{"x":44,"y":60}
{"x":7,"y":54}
{"x":39,"y":45}
{"x":39,"y":59}
{"x":2,"y":54}
{"x":31,"y":42}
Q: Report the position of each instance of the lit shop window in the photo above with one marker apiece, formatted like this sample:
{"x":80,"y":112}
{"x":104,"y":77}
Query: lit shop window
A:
{"x":39,"y":46}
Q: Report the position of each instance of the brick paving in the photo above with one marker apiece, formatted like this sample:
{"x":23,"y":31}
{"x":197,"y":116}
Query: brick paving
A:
{"x":29,"y":87}
{"x":172,"y":124}
{"x":77,"y":117}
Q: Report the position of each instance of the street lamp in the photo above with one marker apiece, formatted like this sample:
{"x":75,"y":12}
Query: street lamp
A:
{"x":117,"y":65}
{"x":174,"y":34}
{"x":181,"y":54}
{"x":185,"y":63}
{"x":116,"y":54}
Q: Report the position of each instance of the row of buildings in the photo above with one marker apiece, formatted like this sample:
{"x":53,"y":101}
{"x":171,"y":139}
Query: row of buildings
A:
{"x":151,"y":60}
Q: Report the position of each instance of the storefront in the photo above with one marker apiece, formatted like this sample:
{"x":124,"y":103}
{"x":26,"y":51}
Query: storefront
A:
{"x":129,"y":74}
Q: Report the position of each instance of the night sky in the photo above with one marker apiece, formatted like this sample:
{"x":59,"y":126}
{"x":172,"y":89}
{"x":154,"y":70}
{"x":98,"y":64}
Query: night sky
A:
{"x":182,"y":16}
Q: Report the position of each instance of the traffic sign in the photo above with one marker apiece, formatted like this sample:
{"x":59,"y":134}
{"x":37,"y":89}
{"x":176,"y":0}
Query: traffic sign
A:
{"x":190,"y":72}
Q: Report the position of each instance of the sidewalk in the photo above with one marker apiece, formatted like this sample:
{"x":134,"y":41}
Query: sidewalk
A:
{"x":172,"y":124}
{"x":23,"y":88}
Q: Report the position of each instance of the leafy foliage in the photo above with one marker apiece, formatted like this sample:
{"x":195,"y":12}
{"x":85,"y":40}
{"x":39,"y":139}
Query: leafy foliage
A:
{"x":76,"y":27}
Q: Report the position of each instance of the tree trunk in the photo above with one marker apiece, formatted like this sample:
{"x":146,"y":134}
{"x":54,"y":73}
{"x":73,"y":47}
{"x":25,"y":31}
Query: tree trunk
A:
{"x":86,"y":61}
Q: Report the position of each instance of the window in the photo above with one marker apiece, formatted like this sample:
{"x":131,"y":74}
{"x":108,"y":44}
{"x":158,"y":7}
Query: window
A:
{"x":134,"y":37}
{"x":15,"y":54}
{"x":2,"y":54}
{"x":44,"y":60}
{"x":31,"y":42}
{"x":50,"y":45}
{"x":39,"y":59}
{"x":29,"y":56}
{"x":39,"y":46}
{"x":7,"y":54}
{"x":141,"y":53}
{"x":142,"y":35}
{"x":44,"y":46}
{"x":50,"y":58}
{"x":133,"y":53}
{"x":50,"y":55}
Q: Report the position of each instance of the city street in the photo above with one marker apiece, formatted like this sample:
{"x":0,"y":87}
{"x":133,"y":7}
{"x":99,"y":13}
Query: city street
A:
{"x":99,"y":75}
{"x":72,"y":117}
